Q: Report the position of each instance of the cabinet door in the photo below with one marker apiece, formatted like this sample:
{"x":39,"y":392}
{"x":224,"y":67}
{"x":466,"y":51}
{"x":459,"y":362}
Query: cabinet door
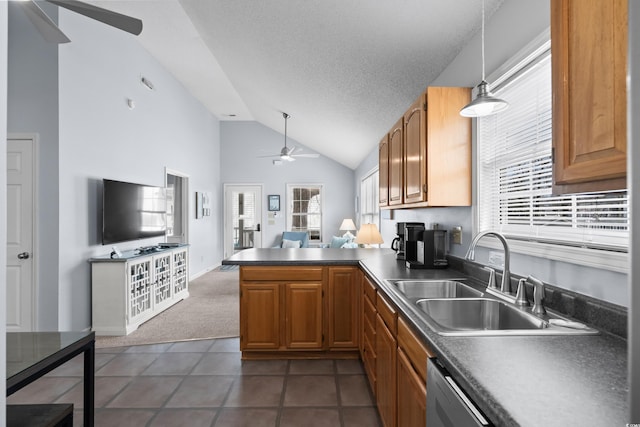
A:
{"x":162,"y":279}
{"x":589,"y":59}
{"x":343,"y":307}
{"x":415,"y":152}
{"x":412,"y":394}
{"x":259,"y":316}
{"x":385,"y":373}
{"x":303,"y":316}
{"x":396,"y":141}
{"x":383,"y":169}
{"x":139,"y":289}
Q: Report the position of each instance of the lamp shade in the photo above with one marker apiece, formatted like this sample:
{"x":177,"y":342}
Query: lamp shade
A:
{"x":347,"y":225}
{"x":485,"y":103}
{"x":368,"y":235}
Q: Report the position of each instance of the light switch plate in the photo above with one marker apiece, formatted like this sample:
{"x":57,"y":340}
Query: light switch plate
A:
{"x":456,"y":235}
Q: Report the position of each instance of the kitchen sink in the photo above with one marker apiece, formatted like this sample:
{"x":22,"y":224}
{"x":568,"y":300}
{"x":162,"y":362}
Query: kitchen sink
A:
{"x":490,"y":317}
{"x":422,"y":289}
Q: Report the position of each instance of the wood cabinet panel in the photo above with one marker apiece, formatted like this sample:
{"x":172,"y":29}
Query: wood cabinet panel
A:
{"x":260,"y":316}
{"x":448,"y":147}
{"x":383,"y":169}
{"x":343,"y":304}
{"x":280,"y":273}
{"x":388,"y":314}
{"x":417,"y":353}
{"x":396,"y":160}
{"x":589,"y":60}
{"x":303,"y":322}
{"x":386,"y":351}
{"x":415,"y":151}
{"x":412,"y":394}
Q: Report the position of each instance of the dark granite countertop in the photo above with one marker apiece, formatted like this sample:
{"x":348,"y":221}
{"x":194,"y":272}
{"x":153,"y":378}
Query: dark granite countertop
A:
{"x":514,"y":380}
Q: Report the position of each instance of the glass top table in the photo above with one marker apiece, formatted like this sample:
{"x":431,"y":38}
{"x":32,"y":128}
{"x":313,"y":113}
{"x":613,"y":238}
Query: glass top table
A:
{"x":31,"y":355}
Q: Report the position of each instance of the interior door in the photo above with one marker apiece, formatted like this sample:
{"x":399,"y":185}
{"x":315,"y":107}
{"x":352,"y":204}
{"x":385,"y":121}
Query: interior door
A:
{"x":20,"y":235}
{"x":242,"y":217}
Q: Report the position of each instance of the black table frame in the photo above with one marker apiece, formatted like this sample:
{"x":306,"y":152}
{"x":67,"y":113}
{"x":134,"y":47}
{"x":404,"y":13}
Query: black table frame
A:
{"x":84,"y":345}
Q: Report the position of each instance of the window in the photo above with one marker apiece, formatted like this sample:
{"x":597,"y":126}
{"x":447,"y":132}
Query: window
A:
{"x":304,"y":209}
{"x":515,"y":172}
{"x":369,"y":199}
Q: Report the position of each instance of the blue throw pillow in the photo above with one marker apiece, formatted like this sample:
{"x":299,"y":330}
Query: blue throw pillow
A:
{"x":337,"y":242}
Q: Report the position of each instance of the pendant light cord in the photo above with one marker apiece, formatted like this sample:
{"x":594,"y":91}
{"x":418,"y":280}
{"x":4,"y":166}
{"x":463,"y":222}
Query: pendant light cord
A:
{"x":482,"y":40}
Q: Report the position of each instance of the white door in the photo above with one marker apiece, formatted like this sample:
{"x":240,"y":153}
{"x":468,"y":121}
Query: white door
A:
{"x":242,"y":217}
{"x":20,"y":235}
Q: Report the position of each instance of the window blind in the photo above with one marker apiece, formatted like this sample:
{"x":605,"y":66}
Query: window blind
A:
{"x":515,"y":173}
{"x":369,"y":199}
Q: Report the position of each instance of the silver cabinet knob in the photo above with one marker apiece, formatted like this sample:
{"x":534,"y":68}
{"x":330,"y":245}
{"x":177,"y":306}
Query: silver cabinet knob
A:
{"x":23,"y":255}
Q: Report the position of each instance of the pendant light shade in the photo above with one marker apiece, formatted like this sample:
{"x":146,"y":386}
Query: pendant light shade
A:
{"x":485,"y":103}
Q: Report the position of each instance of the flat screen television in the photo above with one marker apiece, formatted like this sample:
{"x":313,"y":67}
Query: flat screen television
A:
{"x":132,"y":211}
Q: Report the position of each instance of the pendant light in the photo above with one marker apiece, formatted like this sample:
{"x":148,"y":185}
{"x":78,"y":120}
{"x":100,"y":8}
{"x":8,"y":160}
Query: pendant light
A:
{"x":485,"y":103}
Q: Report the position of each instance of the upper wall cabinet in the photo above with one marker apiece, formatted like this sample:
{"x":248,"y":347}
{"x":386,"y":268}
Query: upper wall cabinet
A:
{"x":396,"y":152}
{"x":432,"y":165}
{"x":589,"y":58}
{"x":383,"y":153}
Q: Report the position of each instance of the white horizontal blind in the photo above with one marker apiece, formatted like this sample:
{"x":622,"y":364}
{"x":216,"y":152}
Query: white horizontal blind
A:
{"x":369,"y":199}
{"x":515,"y":173}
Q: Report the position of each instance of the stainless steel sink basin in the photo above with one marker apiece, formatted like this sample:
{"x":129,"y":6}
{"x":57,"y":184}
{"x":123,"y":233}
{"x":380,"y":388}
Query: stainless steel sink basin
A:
{"x":477,"y":314}
{"x":419,"y":289}
{"x":489,"y":317}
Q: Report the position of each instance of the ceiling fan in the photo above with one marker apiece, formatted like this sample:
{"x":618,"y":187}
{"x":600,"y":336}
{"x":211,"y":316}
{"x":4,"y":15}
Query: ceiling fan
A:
{"x":52,"y":33}
{"x":287,"y":153}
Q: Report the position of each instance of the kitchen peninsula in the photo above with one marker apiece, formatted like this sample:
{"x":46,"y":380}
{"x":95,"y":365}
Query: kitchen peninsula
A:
{"x":514,"y":380}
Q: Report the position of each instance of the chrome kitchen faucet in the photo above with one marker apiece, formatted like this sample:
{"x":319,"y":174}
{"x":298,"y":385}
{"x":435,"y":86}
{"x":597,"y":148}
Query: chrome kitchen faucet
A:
{"x":505,"y":286}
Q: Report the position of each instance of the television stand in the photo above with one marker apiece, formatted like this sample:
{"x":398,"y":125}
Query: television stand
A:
{"x":130,"y":290}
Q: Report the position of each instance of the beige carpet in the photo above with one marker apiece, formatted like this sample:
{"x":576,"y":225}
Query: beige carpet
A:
{"x":211,"y":311}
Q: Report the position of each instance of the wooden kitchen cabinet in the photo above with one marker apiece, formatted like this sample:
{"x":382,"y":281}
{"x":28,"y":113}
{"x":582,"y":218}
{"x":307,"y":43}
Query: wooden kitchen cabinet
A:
{"x":411,"y":377}
{"x":343,"y":304}
{"x":396,"y":160}
{"x":412,"y":394}
{"x":589,"y":60}
{"x":386,"y":352}
{"x":368,"y":332}
{"x":433,"y":166}
{"x":281,"y":309}
{"x":383,"y":171}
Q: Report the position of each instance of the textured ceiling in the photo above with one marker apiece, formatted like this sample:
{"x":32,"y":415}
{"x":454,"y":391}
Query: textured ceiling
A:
{"x":345,"y":70}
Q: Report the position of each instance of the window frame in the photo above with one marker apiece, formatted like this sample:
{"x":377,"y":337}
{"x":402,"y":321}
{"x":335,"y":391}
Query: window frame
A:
{"x":289,"y":200}
{"x":375,"y":214}
{"x":606,"y":259}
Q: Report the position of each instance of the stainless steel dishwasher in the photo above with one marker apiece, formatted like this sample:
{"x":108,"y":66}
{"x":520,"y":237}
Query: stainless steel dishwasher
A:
{"x":447,"y":404}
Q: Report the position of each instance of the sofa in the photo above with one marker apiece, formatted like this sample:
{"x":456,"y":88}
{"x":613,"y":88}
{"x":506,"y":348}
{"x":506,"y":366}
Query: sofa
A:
{"x":300,"y":239}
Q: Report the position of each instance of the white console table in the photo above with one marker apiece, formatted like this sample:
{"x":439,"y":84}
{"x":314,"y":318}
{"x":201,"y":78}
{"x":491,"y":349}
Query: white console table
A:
{"x":130,"y":290}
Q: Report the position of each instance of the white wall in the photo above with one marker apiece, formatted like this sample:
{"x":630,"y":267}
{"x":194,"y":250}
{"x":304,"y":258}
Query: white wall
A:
{"x":100,"y":137}
{"x":33,"y":108}
{"x":510,"y":29}
{"x":3,"y":198}
{"x":243,"y":142}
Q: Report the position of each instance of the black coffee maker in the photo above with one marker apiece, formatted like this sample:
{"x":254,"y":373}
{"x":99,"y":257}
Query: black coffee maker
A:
{"x":399,"y":243}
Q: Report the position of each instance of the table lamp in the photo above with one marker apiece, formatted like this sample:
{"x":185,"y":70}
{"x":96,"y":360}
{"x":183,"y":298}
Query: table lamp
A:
{"x":368,"y":235}
{"x":348,"y":226}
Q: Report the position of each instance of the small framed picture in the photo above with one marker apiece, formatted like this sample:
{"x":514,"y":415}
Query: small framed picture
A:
{"x":274,"y":202}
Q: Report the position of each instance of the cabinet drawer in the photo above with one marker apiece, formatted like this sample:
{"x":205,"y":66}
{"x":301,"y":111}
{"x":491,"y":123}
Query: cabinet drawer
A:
{"x":281,"y":273}
{"x":416,"y":352}
{"x":369,"y":361}
{"x":388,"y":314}
{"x":370,"y":290}
{"x":369,"y":311}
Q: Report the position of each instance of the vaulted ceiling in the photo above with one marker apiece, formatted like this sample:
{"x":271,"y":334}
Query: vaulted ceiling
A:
{"x":344,"y":70}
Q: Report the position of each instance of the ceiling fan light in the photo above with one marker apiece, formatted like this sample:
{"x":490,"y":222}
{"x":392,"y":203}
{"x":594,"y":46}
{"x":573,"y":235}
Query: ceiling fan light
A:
{"x":485,"y":103}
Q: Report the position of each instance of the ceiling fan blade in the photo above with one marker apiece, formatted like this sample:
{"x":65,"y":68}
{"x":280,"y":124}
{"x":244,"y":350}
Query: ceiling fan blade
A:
{"x":118,"y":20}
{"x":310,"y":156}
{"x":44,"y":24}
{"x":275,"y":155}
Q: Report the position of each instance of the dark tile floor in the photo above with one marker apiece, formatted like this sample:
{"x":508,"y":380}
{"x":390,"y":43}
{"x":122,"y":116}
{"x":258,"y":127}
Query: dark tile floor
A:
{"x":204,"y":383}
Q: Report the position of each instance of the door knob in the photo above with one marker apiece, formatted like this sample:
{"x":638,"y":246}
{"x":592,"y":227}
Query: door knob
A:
{"x":23,"y":255}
